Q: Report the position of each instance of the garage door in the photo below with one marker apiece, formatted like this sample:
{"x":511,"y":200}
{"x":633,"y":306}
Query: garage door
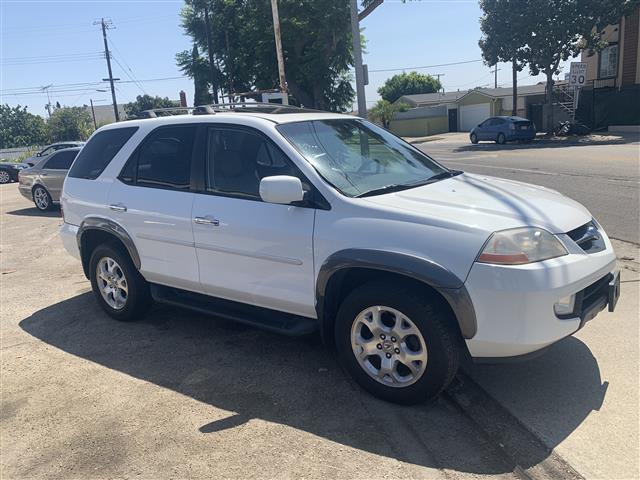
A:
{"x":472,"y":115}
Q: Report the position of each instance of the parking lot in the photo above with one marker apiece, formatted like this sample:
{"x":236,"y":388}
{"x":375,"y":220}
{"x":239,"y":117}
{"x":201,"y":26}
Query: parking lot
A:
{"x":183,"y":395}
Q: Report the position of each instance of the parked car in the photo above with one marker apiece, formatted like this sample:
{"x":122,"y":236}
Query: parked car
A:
{"x":504,"y":129}
{"x":42,"y":183}
{"x":54,"y":147}
{"x":299,"y":221}
{"x":9,"y":171}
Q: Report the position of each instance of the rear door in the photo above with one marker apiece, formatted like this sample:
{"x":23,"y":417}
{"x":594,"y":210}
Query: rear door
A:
{"x":55,"y":169}
{"x":248,"y":250}
{"x":152,"y":200}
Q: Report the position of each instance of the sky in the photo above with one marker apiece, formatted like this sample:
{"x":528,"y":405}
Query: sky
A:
{"x":56,"y":43}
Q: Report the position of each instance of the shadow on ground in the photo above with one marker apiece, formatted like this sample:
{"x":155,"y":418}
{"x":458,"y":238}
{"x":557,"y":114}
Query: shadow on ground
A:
{"x":297,"y":382}
{"x":34,"y":212}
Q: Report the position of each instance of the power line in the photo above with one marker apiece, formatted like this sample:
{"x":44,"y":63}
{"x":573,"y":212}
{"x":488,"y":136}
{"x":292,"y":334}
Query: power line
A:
{"x":132,"y":76}
{"x":425,"y":66}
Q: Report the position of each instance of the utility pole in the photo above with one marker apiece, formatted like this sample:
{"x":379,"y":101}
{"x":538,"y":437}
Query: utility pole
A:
{"x":212,"y":71}
{"x":439,"y":75}
{"x":276,"y":32}
{"x":46,"y":89}
{"x":357,"y":57}
{"x":93,"y":114}
{"x":495,"y":71}
{"x":105,"y":25}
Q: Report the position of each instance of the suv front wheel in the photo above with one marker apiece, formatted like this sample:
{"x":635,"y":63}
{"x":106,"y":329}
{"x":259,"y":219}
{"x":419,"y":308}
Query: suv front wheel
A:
{"x":397,"y":342}
{"x":117,"y":285}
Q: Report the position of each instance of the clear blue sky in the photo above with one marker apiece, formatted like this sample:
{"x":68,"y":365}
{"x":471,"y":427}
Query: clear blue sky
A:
{"x":54,"y":42}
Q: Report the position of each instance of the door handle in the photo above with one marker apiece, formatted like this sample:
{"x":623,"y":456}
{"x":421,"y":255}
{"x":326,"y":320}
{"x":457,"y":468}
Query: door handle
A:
{"x":206,"y":221}
{"x":117,"y":207}
{"x":44,"y":174}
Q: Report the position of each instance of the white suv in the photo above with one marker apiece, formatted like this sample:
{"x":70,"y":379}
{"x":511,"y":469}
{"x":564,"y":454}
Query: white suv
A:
{"x":298,"y":221}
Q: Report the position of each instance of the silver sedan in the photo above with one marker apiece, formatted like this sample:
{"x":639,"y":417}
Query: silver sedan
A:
{"x":42,"y":183}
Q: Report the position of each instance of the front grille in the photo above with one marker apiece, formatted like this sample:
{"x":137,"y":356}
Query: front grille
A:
{"x":588,"y":237}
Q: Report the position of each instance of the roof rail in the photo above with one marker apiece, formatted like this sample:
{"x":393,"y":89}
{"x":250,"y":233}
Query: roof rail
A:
{"x":254,"y":106}
{"x":153,"y":112}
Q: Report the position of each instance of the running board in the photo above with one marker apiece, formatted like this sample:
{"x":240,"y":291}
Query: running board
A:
{"x":273,"y":320}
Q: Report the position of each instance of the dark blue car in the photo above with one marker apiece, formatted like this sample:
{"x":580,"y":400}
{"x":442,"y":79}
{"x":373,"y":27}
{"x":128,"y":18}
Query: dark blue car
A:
{"x":504,"y":129}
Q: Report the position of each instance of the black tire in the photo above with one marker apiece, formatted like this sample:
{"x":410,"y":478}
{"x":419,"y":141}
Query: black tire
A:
{"x":5,"y":177}
{"x":138,"y":298}
{"x":429,"y":314}
{"x":46,"y":203}
{"x":501,"y":140}
{"x":474,"y":138}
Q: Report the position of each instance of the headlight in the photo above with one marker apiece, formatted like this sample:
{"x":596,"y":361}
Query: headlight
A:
{"x":520,"y":246}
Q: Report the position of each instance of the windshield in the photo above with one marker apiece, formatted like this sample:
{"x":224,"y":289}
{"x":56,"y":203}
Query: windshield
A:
{"x":357,"y":157}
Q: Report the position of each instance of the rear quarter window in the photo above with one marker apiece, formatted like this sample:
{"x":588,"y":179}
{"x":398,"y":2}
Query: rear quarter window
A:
{"x":99,"y":151}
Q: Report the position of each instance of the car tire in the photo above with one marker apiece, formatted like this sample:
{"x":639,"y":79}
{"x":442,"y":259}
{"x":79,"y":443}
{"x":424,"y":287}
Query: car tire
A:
{"x":422,"y":328}
{"x":119,"y":288}
{"x":501,"y":140}
{"x":42,"y":199}
{"x":474,"y":138}
{"x":5,"y":177}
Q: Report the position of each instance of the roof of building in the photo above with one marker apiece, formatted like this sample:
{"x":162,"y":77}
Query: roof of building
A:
{"x":450,"y":97}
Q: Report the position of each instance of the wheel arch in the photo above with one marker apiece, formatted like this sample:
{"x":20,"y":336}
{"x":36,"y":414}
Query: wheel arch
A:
{"x":96,"y":230}
{"x":345,"y":270}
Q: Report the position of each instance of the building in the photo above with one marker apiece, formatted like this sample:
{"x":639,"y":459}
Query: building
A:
{"x":104,"y":113}
{"x":434,"y":113}
{"x":611,"y":96}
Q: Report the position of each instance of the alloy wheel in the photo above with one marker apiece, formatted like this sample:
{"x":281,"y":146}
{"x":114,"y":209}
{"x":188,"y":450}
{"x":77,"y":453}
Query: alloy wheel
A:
{"x":388,"y":346}
{"x":112,"y":283}
{"x":41,"y":197}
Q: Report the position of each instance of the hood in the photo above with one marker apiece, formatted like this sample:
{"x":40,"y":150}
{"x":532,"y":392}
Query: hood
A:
{"x":488,"y":203}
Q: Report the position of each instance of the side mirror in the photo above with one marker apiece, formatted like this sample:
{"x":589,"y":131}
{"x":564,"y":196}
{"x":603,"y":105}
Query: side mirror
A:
{"x":282,"y":189}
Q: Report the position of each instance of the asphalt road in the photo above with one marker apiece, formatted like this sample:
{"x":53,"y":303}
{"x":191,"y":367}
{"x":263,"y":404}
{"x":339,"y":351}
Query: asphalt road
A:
{"x":603,"y":175}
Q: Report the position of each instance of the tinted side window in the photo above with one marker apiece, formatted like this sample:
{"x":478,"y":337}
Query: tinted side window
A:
{"x":238,"y":159}
{"x":61,"y":160}
{"x":99,"y":151}
{"x":164,"y":159}
{"x":499,"y":121}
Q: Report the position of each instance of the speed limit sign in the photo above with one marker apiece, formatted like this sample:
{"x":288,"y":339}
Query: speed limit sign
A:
{"x":578,"y":74}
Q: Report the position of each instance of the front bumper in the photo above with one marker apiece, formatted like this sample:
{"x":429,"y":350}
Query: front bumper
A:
{"x":514,"y":304}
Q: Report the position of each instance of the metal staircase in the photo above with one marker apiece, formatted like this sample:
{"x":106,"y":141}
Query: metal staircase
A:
{"x":563,"y":96}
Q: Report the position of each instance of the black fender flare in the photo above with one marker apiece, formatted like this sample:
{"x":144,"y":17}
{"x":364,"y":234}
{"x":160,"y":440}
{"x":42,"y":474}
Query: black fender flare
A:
{"x":417,"y":268}
{"x":112,"y":228}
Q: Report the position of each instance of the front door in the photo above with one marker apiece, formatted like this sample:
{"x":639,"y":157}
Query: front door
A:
{"x":152,"y":201}
{"x":453,"y":120}
{"x":55,"y":170}
{"x":248,"y":250}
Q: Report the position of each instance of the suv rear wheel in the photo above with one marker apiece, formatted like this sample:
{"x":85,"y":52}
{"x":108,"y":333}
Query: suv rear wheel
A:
{"x":118,"y":286}
{"x":397,"y":342}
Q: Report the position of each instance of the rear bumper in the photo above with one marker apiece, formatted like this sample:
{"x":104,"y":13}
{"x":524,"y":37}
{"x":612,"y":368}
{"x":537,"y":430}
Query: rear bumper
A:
{"x":26,"y":192}
{"x":521,"y":135}
{"x":69,"y":237}
{"x":514,"y":305}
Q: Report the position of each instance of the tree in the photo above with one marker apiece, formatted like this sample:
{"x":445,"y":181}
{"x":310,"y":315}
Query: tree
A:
{"x":316,"y":42}
{"x":408,"y":84}
{"x":19,"y":128}
{"x":561,"y":29}
{"x":384,"y":111}
{"x":147,"y":102}
{"x":196,"y":67}
{"x":504,"y":35}
{"x":69,"y":123}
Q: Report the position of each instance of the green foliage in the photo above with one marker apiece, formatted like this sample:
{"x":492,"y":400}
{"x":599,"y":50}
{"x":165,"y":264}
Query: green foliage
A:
{"x":408,"y":84}
{"x":197,"y":67}
{"x":504,"y":27}
{"x":147,"y":102}
{"x":69,"y":123}
{"x":19,"y":128}
{"x":384,"y":111}
{"x":316,"y":44}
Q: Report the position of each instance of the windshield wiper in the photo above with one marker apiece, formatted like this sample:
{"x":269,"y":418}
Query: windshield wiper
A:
{"x":393,"y":187}
{"x":396,"y":187}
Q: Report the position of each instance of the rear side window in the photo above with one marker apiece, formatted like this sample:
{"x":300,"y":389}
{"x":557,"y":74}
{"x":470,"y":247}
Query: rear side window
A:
{"x":61,"y":160}
{"x":163,"y":160}
{"x":99,"y":151}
